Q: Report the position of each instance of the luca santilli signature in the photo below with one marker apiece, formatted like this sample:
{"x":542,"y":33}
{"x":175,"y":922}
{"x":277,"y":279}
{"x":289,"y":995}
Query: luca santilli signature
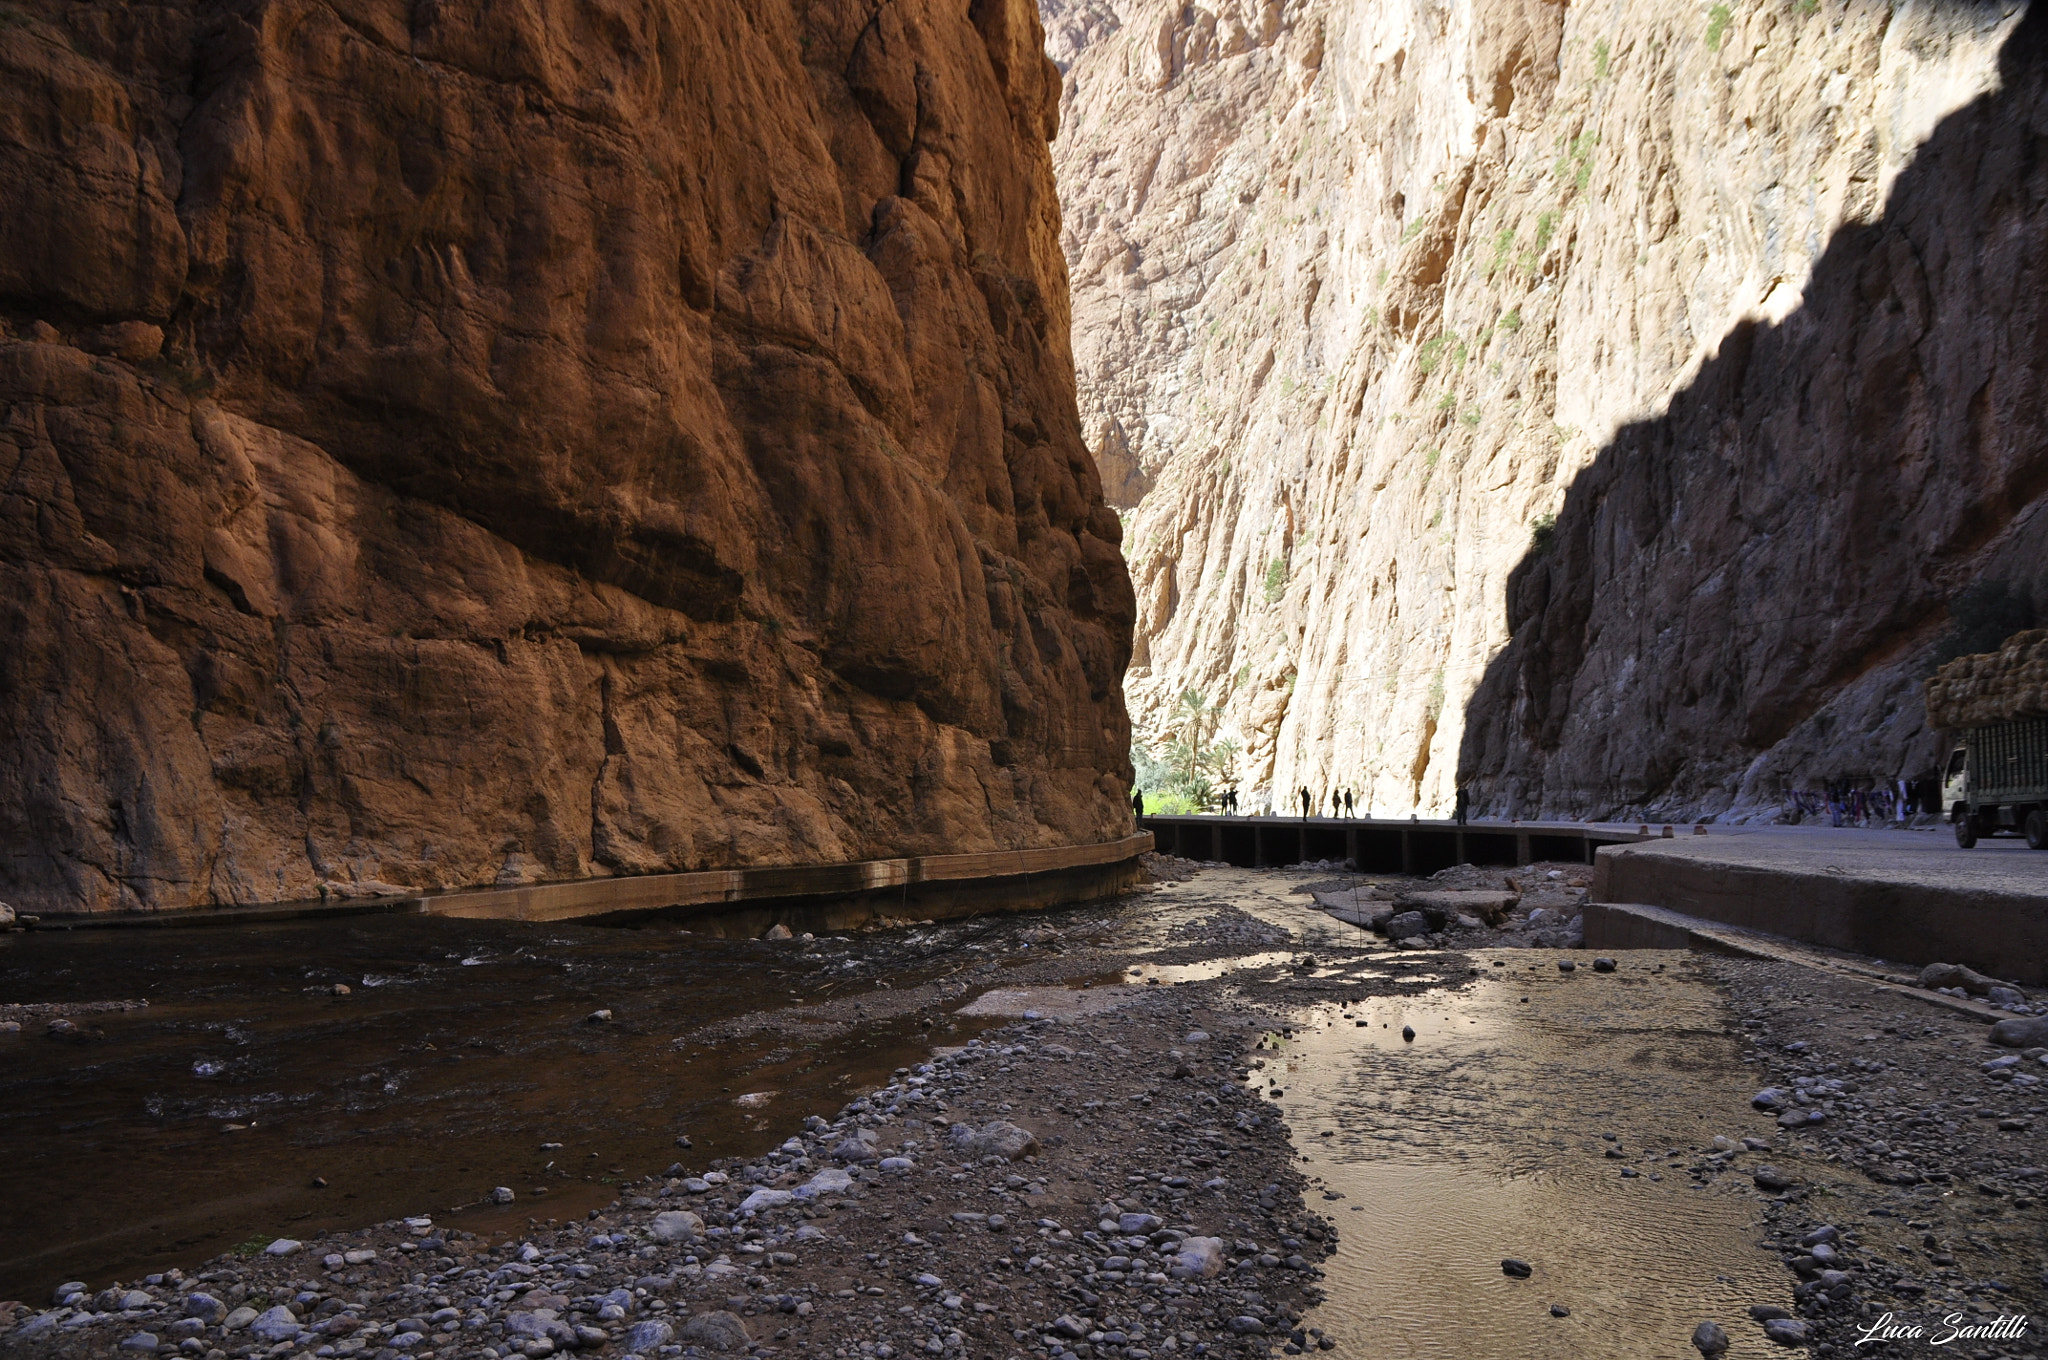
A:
{"x":1954,"y":1327}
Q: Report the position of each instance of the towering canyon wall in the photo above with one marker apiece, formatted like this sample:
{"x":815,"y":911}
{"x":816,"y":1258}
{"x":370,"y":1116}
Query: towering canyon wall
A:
{"x":1599,"y":403}
{"x":445,"y":445}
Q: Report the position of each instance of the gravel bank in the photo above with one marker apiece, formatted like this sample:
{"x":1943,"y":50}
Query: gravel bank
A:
{"x":1901,"y":1156}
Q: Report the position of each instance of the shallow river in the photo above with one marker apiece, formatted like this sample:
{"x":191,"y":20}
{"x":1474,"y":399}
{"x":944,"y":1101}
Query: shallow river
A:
{"x":463,"y":1053}
{"x":168,"y":1134}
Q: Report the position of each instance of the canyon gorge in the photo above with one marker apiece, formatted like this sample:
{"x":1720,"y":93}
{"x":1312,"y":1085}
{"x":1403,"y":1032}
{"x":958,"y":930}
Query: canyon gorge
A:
{"x":1603,"y":406}
{"x":441,"y":450}
{"x":445,"y":446}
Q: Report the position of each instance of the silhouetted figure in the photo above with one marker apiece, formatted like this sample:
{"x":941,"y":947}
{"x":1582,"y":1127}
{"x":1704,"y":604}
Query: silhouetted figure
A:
{"x":1138,"y":803}
{"x":1464,"y":801}
{"x":1350,"y":808}
{"x":1304,"y":802}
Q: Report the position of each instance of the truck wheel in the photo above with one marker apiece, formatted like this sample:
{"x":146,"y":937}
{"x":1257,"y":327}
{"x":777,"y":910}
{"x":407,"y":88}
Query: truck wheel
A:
{"x":1966,"y":831}
{"x":2037,"y":830}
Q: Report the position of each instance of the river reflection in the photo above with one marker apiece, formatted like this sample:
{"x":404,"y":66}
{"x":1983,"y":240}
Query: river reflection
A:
{"x":1483,"y":1138}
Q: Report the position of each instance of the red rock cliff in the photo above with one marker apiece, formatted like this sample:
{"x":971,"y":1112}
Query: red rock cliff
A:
{"x":452,"y":444}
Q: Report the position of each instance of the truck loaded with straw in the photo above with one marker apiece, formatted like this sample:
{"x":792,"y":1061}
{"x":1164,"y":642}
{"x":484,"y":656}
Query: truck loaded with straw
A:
{"x":1996,"y":780}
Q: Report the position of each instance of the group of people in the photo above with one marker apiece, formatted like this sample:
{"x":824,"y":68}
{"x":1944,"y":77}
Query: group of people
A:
{"x":1845,"y":803}
{"x":1340,"y":802}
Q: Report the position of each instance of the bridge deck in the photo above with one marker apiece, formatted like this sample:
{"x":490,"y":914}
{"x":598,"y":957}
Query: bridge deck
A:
{"x":1382,"y":847}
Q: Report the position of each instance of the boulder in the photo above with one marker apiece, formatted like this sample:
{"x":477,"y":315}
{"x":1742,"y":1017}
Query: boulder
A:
{"x":1442,"y":907}
{"x":1406,"y":925}
{"x":1937,"y":975}
{"x":2021,"y":1032}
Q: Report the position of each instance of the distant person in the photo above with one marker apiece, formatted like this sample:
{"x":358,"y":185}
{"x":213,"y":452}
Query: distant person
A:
{"x":1349,"y":806}
{"x":1138,"y":803}
{"x":1304,"y":802}
{"x":1461,"y":804}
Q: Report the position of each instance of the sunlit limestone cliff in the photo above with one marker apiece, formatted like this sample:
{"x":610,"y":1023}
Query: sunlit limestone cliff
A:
{"x":1600,"y":404}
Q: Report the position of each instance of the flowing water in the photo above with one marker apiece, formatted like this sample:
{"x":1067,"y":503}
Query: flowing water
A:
{"x":461,"y":1060}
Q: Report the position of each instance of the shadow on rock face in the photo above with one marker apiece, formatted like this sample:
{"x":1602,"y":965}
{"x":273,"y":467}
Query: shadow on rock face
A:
{"x":1741,"y":592}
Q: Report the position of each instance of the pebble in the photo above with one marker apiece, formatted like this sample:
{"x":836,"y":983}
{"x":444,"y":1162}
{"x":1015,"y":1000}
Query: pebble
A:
{"x":1567,"y":966}
{"x":678,"y":1225}
{"x":1709,"y":1339}
{"x":721,"y":1331}
{"x":1770,"y":1178}
{"x":283,"y":1246}
{"x":502,"y":1195}
{"x":1517,"y":1268}
{"x":1559,"y":1310}
{"x":1199,"y":1258}
{"x":275,"y":1324}
{"x":1603,"y":965}
{"x":1408,"y":1033}
{"x":647,"y":1338}
{"x":1786,"y":1331}
{"x":830,"y":1181}
{"x":141,"y":1341}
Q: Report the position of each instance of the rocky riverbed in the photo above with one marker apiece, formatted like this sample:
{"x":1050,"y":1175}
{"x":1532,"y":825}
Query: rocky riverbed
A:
{"x":1902,"y":1155}
{"x":1221,"y":1119}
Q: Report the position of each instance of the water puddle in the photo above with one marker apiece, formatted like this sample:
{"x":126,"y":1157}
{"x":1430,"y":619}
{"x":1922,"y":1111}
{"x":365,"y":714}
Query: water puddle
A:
{"x":1485,"y":1136}
{"x":1166,"y":974}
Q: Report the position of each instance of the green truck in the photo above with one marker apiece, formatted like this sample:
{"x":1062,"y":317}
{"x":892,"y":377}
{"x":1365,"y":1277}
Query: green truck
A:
{"x":1996,"y":780}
